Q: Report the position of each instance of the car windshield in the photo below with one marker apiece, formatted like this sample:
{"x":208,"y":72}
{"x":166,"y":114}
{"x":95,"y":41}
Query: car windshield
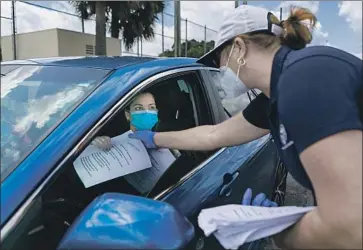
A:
{"x":34,"y":100}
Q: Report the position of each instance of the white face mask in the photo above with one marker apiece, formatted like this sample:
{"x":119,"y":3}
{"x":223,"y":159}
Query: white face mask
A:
{"x":229,"y":84}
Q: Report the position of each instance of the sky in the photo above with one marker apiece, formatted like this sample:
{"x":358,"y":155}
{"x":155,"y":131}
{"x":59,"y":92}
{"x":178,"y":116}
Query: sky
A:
{"x":339,"y":22}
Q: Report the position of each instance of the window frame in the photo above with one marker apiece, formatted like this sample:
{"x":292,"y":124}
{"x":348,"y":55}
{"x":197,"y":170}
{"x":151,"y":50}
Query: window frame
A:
{"x":23,"y":210}
{"x":215,"y":100}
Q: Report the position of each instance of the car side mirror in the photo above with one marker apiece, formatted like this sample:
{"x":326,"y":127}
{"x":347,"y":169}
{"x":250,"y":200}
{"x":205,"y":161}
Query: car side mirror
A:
{"x":119,"y":221}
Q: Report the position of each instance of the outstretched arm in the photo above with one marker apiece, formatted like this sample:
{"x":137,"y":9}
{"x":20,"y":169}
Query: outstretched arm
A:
{"x":244,"y":127}
{"x":236,"y":130}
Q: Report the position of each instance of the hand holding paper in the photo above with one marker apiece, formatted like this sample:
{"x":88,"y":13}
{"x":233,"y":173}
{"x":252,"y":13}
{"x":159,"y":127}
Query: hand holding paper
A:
{"x":234,"y":225}
{"x":108,"y":158}
{"x":126,"y":156}
{"x":102,"y":142}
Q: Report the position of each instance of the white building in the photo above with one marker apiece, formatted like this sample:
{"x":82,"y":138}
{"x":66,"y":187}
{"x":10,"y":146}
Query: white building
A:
{"x":54,"y":43}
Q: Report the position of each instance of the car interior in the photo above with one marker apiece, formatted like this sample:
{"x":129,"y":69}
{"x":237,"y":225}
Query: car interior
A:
{"x":181,"y":104}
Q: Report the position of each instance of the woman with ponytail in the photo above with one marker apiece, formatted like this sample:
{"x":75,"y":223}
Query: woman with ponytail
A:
{"x":311,"y":103}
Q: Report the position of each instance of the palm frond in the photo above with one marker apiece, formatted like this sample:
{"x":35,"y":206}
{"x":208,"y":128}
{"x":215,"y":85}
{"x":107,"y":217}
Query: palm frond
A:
{"x":134,"y":19}
{"x":86,"y":9}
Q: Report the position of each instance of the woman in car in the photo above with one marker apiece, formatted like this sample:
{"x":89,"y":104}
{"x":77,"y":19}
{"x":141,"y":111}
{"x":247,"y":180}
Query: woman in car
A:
{"x":142,"y":114}
{"x":311,"y":103}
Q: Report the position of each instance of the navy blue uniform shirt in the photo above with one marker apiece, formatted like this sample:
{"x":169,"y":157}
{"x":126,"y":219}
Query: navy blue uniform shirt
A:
{"x":315,"y":92}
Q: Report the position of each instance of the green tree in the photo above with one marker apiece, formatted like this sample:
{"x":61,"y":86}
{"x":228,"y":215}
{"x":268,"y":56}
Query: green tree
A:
{"x":195,"y":49}
{"x":131,"y":19}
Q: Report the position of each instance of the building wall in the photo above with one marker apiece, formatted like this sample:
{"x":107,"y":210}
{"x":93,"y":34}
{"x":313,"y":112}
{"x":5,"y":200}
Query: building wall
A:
{"x":54,"y":43}
{"x":31,"y":45}
{"x":73,"y":43}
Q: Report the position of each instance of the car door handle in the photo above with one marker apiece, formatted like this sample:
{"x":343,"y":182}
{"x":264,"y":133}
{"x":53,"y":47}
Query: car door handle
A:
{"x":228,"y":180}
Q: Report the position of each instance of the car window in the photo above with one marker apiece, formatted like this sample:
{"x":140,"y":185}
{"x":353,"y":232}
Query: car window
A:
{"x":34,"y":100}
{"x":185,"y":103}
{"x":182,"y":104}
{"x":235,"y":105}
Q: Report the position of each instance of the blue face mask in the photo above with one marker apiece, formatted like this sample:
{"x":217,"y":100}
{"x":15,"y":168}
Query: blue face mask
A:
{"x":144,"y":120}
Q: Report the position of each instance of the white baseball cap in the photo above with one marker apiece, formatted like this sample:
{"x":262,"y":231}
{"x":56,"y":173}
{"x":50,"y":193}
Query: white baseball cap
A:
{"x":242,"y":20}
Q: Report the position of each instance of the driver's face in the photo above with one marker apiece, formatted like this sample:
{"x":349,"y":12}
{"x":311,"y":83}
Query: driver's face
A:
{"x":143,"y":102}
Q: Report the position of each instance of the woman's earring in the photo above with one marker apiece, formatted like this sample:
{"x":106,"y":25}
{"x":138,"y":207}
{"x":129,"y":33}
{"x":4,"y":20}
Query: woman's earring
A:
{"x":241,"y":61}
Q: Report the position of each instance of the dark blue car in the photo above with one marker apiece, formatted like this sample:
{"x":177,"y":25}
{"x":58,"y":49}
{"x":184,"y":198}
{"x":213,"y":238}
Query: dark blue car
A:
{"x":51,"y":109}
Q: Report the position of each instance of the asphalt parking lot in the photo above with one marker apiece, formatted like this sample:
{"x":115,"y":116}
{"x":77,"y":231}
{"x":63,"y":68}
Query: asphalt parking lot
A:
{"x":296,"y":195}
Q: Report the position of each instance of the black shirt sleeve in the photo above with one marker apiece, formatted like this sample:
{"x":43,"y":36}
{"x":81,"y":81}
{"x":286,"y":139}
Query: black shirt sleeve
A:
{"x":317,"y":99}
{"x":256,"y":112}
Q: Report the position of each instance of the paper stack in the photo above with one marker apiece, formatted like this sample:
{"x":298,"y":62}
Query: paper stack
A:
{"x":234,"y":225}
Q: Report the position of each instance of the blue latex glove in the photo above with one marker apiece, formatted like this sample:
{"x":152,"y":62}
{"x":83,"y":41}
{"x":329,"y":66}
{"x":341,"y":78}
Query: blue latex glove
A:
{"x":260,"y":200}
{"x":146,"y":136}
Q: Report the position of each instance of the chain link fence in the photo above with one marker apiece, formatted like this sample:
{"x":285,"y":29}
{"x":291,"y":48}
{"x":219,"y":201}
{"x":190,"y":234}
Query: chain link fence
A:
{"x":63,"y":16}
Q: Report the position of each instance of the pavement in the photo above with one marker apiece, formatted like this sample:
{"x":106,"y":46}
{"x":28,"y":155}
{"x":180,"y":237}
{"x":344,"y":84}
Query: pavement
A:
{"x":296,"y":195}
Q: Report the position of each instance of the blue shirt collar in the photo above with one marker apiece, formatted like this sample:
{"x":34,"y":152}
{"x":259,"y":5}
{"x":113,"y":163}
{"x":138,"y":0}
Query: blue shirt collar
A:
{"x":277,"y":67}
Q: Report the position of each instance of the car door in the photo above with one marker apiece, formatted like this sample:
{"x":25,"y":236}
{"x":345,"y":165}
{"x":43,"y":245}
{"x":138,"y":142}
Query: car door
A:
{"x":224,"y":176}
{"x":264,"y":172}
{"x":208,"y":182}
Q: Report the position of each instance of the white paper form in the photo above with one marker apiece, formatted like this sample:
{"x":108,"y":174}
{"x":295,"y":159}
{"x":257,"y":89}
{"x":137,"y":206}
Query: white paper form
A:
{"x":126,"y":156}
{"x":234,"y":225}
{"x":233,"y":230}
{"x":144,"y":180}
{"x":236,"y":240}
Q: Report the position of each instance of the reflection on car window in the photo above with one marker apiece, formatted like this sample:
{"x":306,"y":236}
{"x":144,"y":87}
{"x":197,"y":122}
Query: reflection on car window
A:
{"x":235,"y":105}
{"x":34,"y":99}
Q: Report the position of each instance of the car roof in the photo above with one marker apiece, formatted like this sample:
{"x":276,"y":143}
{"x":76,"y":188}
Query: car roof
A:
{"x":101,"y":62}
